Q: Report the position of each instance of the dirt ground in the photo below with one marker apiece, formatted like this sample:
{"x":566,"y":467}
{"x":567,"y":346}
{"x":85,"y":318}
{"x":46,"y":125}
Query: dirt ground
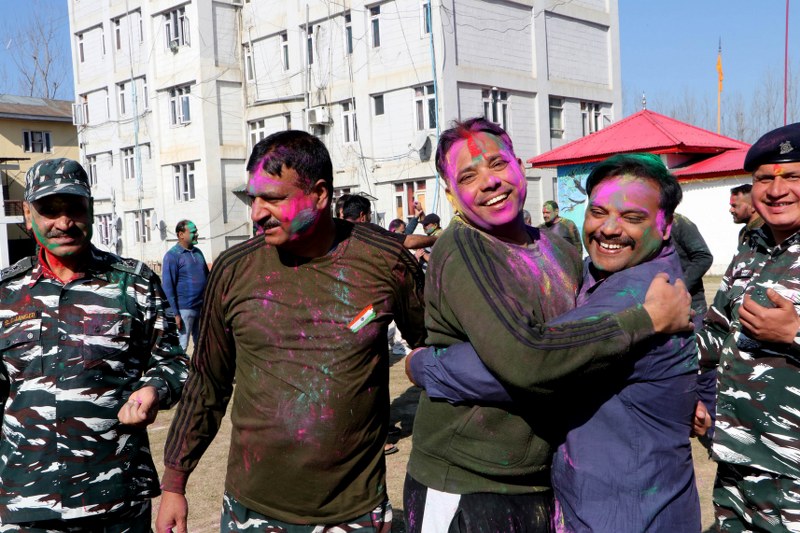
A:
{"x":207,"y":482}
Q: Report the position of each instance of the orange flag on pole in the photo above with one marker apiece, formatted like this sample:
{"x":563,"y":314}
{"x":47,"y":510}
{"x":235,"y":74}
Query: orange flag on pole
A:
{"x":719,"y":66}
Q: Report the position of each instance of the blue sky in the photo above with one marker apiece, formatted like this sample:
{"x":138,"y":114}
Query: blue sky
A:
{"x":667,"y":48}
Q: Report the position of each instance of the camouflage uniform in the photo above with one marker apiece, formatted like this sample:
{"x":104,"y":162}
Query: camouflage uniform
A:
{"x":758,"y":393}
{"x":72,"y":354}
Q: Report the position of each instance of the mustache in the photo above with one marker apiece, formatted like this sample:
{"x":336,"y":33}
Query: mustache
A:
{"x":621,"y":241}
{"x":57,"y":234}
{"x":267,"y":224}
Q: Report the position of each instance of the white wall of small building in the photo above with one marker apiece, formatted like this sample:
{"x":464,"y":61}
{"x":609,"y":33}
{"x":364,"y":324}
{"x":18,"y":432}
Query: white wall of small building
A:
{"x":707,"y":204}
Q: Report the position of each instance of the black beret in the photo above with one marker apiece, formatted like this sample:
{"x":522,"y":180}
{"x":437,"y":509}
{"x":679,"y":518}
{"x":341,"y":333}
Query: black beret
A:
{"x":781,"y":145}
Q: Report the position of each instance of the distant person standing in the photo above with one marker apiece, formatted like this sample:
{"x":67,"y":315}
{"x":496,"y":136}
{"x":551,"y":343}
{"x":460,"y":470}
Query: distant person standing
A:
{"x":562,"y":227}
{"x":696,"y":259}
{"x":184,"y":276}
{"x":743,"y":211}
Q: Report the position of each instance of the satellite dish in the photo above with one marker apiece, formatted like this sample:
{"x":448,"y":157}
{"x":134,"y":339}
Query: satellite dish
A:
{"x":422,"y":145}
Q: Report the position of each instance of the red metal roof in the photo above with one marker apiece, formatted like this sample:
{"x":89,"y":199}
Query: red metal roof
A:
{"x":645,"y":131}
{"x":730,"y":163}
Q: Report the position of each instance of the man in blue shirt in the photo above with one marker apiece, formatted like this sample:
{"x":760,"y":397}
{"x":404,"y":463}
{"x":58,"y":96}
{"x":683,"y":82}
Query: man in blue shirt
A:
{"x":184,"y":277}
{"x":625,"y":461}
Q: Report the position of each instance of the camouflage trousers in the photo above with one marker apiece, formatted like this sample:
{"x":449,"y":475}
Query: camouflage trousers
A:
{"x":751,"y":500}
{"x":236,"y":518}
{"x":135,"y":518}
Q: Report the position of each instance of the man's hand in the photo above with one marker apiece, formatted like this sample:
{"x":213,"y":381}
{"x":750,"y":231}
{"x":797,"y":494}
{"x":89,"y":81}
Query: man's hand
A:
{"x":701,"y":421}
{"x":172,"y":513}
{"x":141,"y":408}
{"x":669,"y":306}
{"x":778,"y":324}
{"x":178,"y":321}
{"x":418,"y":211}
{"x":408,"y":364}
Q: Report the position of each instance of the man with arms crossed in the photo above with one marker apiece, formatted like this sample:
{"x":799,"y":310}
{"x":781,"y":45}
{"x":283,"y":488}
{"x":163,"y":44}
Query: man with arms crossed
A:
{"x":495,"y":282}
{"x":753,"y":333}
{"x":626,"y":461}
{"x":298,"y":316}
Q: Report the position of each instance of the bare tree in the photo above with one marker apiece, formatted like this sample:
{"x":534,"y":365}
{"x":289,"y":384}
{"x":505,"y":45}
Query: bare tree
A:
{"x":42,"y":61}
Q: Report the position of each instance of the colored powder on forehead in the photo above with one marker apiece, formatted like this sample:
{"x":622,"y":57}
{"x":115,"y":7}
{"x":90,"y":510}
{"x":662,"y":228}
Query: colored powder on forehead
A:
{"x":777,"y":170}
{"x":474,"y":149}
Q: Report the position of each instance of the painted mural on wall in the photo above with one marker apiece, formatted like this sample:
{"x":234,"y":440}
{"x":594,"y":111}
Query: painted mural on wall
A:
{"x":572,"y":192}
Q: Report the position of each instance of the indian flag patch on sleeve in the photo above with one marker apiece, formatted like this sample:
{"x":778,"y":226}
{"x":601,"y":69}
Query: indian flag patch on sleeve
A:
{"x":362,"y":319}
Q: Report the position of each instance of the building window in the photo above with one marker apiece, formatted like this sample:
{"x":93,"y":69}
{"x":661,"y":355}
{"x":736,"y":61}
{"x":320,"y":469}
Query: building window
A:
{"x":349,"y":122}
{"x":285,"y":50}
{"x":91,"y":169}
{"x":183,"y":175}
{"x":103,"y":41}
{"x":591,"y":118}
{"x":405,"y":194}
{"x":176,"y":25}
{"x":375,"y":25}
{"x":80,"y":47}
{"x":348,"y":34}
{"x":145,"y":96}
{"x":179,"y":109}
{"x":248,"y":63}
{"x":117,"y":34}
{"x":556,"y":118}
{"x":128,"y":164}
{"x":425,"y":107}
{"x":141,"y":221}
{"x":378,"y":104}
{"x":310,"y":45}
{"x":37,"y":141}
{"x":426,"y":17}
{"x":141,"y":27}
{"x":122,"y":98}
{"x":104,"y":229}
{"x":287,"y":121}
{"x":495,"y":106}
{"x":257,"y":131}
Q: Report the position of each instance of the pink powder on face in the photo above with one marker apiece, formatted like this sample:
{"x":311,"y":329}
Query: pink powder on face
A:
{"x":777,"y":170}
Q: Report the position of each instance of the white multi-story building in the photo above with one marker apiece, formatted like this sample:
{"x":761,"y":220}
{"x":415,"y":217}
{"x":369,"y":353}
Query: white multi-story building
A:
{"x":173,"y":95}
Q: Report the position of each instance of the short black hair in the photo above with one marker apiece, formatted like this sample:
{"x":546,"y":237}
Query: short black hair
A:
{"x":742,"y":189}
{"x":181,"y":226}
{"x":552,"y":204}
{"x":396,"y":223}
{"x":340,"y":204}
{"x":354,"y":206}
{"x":298,"y":150}
{"x":642,"y":165}
{"x":464,"y":130}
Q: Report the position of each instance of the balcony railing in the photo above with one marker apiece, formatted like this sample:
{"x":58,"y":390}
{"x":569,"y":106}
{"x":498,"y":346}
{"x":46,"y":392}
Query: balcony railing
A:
{"x":12,"y":208}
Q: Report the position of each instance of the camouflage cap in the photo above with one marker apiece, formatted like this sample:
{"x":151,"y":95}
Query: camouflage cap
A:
{"x":56,"y":176}
{"x":781,"y":145}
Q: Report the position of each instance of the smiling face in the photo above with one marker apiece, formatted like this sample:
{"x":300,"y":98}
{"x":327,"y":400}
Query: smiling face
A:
{"x":486,"y":184}
{"x":624,"y":225}
{"x":283,"y":211}
{"x":61,"y":224}
{"x":776,"y":197}
{"x":741,"y":208}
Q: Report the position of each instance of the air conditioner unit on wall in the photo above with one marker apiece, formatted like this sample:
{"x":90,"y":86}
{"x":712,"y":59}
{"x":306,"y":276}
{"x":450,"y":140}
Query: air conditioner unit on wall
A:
{"x":318,"y":116}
